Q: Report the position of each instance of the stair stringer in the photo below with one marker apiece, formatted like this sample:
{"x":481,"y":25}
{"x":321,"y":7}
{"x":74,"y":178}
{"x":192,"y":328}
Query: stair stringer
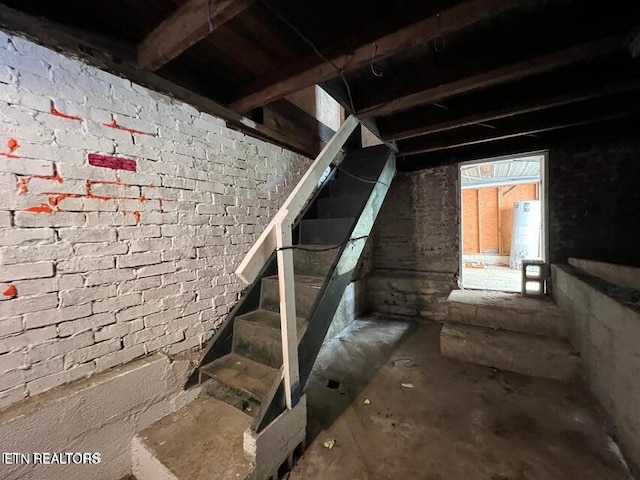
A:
{"x":220,"y":343}
{"x":331,"y":293}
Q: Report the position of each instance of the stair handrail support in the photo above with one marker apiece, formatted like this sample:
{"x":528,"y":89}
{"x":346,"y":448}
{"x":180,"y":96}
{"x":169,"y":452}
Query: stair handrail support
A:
{"x":287,"y":295}
{"x":278,"y":237}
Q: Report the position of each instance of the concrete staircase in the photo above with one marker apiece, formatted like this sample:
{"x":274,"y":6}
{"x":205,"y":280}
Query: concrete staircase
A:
{"x":241,"y":428}
{"x":509,"y":332}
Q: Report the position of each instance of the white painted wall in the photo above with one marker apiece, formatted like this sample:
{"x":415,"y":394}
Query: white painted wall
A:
{"x":125,"y":263}
{"x":96,"y":415}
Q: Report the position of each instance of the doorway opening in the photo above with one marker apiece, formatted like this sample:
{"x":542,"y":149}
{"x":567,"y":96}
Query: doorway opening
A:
{"x":502,"y":212}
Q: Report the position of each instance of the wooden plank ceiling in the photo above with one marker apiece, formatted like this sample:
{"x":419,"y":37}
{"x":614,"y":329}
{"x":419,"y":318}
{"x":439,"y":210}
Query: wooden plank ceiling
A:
{"x":438,"y":79}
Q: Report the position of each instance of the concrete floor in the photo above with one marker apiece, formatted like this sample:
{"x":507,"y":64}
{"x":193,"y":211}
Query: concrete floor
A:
{"x":492,"y":277}
{"x":458,"y":422}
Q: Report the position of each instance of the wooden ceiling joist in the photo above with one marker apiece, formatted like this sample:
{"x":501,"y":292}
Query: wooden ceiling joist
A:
{"x":502,"y":135}
{"x":526,"y":125}
{"x":498,"y":76}
{"x":518,"y":145}
{"x":426,"y":128}
{"x":446,"y":22}
{"x":189,"y":24}
{"x":119,"y":58}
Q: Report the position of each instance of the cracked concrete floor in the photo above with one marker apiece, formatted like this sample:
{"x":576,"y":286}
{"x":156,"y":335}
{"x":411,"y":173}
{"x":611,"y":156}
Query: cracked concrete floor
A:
{"x":458,"y":422}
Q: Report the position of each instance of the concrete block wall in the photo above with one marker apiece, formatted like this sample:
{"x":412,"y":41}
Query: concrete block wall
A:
{"x":605,"y":330}
{"x":415,"y":245}
{"x":123,"y":215}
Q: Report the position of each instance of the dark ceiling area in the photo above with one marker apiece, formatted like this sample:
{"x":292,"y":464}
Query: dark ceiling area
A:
{"x":428,"y":77}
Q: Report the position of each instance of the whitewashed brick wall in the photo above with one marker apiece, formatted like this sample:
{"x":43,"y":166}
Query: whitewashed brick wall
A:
{"x":99,"y":266}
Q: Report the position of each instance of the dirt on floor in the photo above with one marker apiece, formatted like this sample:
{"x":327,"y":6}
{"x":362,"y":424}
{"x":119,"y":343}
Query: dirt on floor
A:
{"x":396,"y":409}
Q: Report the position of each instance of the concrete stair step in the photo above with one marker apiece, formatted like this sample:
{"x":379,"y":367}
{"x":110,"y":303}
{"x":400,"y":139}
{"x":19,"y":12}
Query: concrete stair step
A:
{"x":242,"y":374}
{"x":508,"y":311}
{"x":201,"y":441}
{"x":314,"y":260}
{"x":524,"y":353}
{"x":323,"y":231}
{"x":341,"y":206}
{"x":307,"y":289}
{"x":256,"y":335}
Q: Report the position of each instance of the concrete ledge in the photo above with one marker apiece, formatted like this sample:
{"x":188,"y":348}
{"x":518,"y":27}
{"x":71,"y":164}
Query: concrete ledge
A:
{"x":523,"y":353}
{"x":606,"y":331}
{"x":621,"y":275}
{"x":99,"y":414}
{"x":508,"y":311}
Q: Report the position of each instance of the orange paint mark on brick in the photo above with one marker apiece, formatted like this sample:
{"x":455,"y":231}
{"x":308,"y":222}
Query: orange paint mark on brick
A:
{"x":56,"y":199}
{"x":90,"y":194}
{"x":11,"y":291}
{"x":58,"y":113}
{"x":115,"y":125}
{"x":143,"y":198}
{"x":13,"y":145}
{"x":109,"y":182}
{"x":135,"y":214}
{"x":42,"y":208}
{"x":55,"y":177}
{"x":23,"y":185}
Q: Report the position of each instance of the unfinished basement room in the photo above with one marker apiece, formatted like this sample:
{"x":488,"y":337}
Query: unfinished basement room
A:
{"x":319,"y":240}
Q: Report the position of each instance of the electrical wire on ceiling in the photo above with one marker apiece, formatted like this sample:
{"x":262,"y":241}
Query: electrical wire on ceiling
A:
{"x":373,"y":62}
{"x":439,"y":45}
{"x":315,"y":49}
{"x":209,"y":21}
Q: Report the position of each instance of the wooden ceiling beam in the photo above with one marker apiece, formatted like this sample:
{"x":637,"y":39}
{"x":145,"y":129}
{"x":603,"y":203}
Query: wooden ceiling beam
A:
{"x":420,"y":129}
{"x":119,"y":58}
{"x":498,"y":76}
{"x":190,"y":23}
{"x":446,"y":22}
{"x":526,"y":125}
{"x":518,"y":145}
